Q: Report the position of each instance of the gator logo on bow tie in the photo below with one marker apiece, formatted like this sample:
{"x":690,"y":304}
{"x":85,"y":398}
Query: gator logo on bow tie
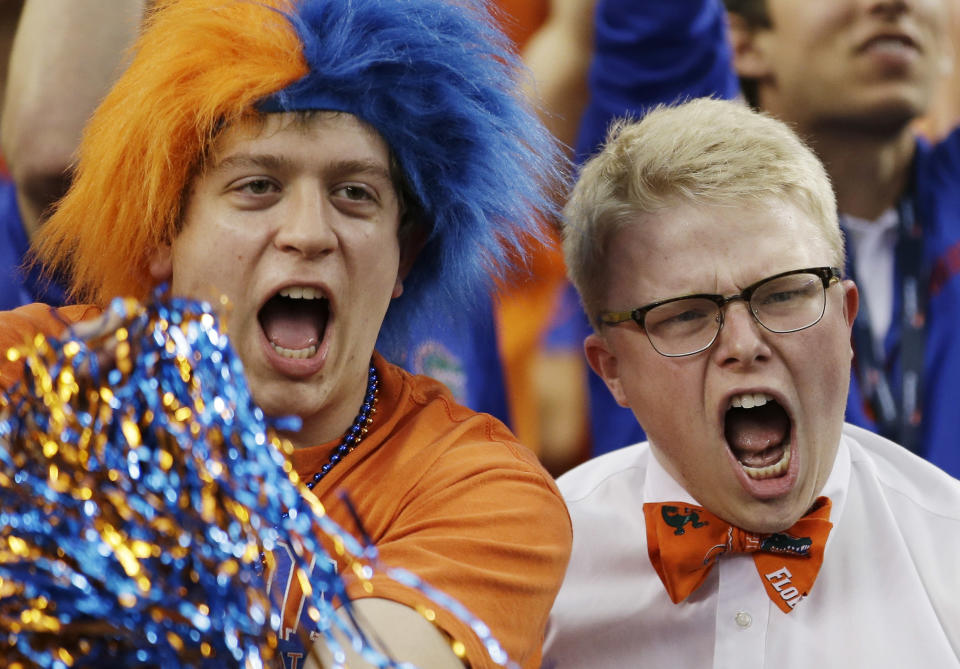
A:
{"x":675,"y":519}
{"x":786,"y":544}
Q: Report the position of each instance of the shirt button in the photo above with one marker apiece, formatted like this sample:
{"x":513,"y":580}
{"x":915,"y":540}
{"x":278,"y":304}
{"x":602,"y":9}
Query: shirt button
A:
{"x":743,"y":619}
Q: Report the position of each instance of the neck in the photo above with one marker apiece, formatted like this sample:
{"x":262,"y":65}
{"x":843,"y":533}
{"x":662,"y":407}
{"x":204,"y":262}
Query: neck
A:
{"x":868,"y":166}
{"x":333,"y":423}
{"x":869,"y":173}
{"x":867,"y":152}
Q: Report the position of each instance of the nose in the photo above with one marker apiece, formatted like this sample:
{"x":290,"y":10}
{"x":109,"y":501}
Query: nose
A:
{"x":741,"y":340}
{"x":887,"y":9}
{"x":306,"y":224}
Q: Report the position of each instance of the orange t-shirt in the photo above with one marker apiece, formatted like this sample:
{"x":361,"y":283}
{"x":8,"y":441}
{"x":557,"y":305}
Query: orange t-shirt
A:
{"x":18,"y":327}
{"x":450,"y":495}
{"x":443,"y":492}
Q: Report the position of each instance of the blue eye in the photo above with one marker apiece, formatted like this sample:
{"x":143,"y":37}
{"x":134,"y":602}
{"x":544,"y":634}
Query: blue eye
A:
{"x":680,"y":318}
{"x":782,"y":296}
{"x":687,"y":316}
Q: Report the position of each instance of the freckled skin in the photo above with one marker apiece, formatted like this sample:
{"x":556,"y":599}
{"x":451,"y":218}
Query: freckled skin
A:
{"x":681,"y":401}
{"x":293,"y":204}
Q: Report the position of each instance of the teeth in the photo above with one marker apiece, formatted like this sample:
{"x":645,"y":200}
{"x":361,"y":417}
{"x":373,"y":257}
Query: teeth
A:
{"x":297,"y":353}
{"x":890,"y":40}
{"x":301,"y":293}
{"x":770,"y":471}
{"x":889,"y":44}
{"x":749,"y":400}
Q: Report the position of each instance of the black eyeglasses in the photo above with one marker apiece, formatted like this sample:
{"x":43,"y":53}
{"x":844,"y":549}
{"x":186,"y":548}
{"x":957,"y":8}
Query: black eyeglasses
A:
{"x":781,"y":303}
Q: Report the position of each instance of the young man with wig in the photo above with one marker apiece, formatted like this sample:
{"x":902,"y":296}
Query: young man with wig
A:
{"x":754,"y":528}
{"x":334,"y":170}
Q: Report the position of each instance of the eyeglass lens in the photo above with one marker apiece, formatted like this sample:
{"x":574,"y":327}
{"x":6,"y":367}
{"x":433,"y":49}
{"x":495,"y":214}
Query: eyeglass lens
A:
{"x":782,"y":304}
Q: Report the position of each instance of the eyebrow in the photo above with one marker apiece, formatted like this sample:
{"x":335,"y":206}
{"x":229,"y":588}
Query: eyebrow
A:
{"x":371,"y":167}
{"x":270,"y":161}
{"x":264,"y":160}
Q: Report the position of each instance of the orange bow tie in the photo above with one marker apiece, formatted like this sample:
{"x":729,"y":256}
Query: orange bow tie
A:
{"x":685,"y":541}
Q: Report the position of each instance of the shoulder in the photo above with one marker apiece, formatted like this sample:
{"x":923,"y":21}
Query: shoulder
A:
{"x":910,"y":511}
{"x":609,"y":579}
{"x":438,"y":443}
{"x":908,"y":482}
{"x":606,"y":474}
{"x":938,"y":164}
{"x":19,"y":326}
{"x":451,"y":495}
{"x":425,"y":408}
{"x":949,"y":146}
{"x":43,"y":318}
{"x":604,"y":497}
{"x":624,"y":464}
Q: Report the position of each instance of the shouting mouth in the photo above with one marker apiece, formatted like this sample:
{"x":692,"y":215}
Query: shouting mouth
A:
{"x":757,"y":430}
{"x":294,"y":321}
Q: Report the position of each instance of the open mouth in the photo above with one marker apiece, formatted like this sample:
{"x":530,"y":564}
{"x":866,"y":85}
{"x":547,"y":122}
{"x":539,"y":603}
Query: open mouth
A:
{"x":757,"y":430}
{"x":294,"y":321}
{"x":893,"y":43}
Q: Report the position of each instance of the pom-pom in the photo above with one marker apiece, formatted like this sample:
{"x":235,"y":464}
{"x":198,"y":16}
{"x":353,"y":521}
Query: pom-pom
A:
{"x":142,"y":495}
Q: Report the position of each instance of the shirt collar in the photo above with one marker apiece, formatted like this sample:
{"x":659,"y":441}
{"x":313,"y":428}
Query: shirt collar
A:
{"x":660,"y":486}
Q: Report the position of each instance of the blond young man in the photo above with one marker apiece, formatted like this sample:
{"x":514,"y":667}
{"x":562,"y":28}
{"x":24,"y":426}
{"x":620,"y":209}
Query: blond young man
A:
{"x":754,"y":528}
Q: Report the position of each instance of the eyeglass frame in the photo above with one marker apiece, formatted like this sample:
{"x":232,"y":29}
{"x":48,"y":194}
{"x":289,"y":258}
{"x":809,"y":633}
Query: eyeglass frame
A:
{"x":828,"y":275}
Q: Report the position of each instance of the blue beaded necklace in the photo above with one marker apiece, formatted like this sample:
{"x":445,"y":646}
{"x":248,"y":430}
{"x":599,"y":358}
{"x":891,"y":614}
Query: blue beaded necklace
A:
{"x":357,"y":431}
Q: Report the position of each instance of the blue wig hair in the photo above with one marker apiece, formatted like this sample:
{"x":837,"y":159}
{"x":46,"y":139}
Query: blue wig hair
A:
{"x":438,"y":80}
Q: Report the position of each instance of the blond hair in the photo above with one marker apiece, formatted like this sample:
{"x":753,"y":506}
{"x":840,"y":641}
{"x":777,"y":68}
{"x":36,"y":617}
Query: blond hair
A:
{"x":705,"y":151}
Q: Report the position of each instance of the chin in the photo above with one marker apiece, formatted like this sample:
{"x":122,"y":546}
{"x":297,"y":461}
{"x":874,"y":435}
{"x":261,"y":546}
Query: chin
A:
{"x":766,"y":517}
{"x":279,"y":398}
{"x":891,"y":114}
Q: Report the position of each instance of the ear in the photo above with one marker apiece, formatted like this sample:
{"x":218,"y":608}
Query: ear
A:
{"x":161,"y":264}
{"x":412,"y":242}
{"x":603,"y":361}
{"x":747,"y":43}
{"x":851,"y":301}
{"x":851,"y":305}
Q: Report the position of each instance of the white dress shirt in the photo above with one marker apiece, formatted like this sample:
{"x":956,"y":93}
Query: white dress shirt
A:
{"x":874,"y":244}
{"x":887,"y":595}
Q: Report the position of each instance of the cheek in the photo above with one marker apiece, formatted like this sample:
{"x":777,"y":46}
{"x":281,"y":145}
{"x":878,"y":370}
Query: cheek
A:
{"x":207,"y":265}
{"x":824,"y":376}
{"x":380,"y":252}
{"x":816,"y":38}
{"x":668,"y":398}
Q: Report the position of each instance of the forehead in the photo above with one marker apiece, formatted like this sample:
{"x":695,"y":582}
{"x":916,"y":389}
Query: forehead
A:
{"x":691,"y":248}
{"x":320,"y":135}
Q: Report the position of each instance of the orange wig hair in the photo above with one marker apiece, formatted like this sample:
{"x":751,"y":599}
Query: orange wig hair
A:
{"x":198,"y":66}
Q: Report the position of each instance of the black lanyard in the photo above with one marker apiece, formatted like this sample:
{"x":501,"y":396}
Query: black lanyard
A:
{"x":900,"y":418}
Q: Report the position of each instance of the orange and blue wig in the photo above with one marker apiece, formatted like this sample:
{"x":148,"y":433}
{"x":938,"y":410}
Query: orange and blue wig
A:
{"x":436,"y":78}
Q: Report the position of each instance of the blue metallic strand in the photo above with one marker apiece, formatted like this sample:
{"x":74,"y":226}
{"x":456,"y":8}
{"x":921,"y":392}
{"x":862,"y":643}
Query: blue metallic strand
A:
{"x":134,"y":512}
